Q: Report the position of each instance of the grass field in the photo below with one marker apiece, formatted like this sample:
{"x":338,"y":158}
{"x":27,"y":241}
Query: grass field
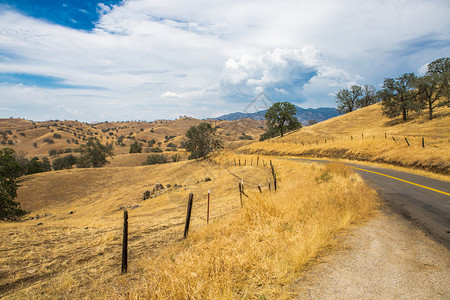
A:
{"x":366,"y":135}
{"x":257,"y":250}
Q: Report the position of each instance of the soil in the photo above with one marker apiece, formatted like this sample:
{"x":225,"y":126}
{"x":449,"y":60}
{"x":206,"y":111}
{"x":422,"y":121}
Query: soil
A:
{"x":388,"y":258}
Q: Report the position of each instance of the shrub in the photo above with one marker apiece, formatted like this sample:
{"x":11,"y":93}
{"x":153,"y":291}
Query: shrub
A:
{"x":176,"y":157}
{"x":35,"y":144}
{"x":155,"y":149}
{"x":171,"y":145}
{"x":48,"y":140}
{"x":136,"y":147}
{"x":156,"y":159}
{"x":52,"y":152}
{"x":64,"y":162}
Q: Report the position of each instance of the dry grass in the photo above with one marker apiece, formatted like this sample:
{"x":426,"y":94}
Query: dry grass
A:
{"x":259,"y":250}
{"x":360,"y":135}
{"x":86,"y":245}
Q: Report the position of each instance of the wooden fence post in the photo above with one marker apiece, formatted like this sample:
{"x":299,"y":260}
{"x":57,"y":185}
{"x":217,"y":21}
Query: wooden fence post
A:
{"x":239,"y":162}
{"x":259,"y":188}
{"x":257,"y":161}
{"x":245,"y":162}
{"x":325,"y":141}
{"x":188,"y":215}
{"x":407,"y":142}
{"x":125,"y":243}
{"x":240,"y":195}
{"x":268,"y":180}
{"x":207,"y":213}
{"x":362,"y":136}
{"x":274,"y":177}
{"x":352,"y":137}
{"x":394,"y":139}
{"x":385,"y":135}
{"x":423,"y":142}
{"x":303,"y":144}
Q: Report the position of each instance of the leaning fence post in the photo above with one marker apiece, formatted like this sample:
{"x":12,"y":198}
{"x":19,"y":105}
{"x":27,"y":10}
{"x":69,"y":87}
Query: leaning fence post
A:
{"x":125,"y":243}
{"x":259,"y":188}
{"x":188,"y":215}
{"x":407,"y":141}
{"x":394,"y":139}
{"x":257,"y":161}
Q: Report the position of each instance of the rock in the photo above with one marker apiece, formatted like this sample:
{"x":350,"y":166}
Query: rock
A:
{"x":158,"y":186}
{"x":168,"y":185}
{"x":37,"y":217}
{"x":207,"y":179}
{"x":71,"y":212}
{"x":40,"y":223}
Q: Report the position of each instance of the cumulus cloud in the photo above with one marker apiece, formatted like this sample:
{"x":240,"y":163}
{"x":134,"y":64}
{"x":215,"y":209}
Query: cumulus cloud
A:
{"x":212,"y":53}
{"x":169,"y":94}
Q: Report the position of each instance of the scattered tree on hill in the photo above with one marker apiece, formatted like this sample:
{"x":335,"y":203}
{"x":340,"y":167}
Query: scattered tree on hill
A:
{"x":348,"y":99}
{"x":94,"y":154}
{"x":368,"y":97}
{"x":434,"y":87}
{"x":10,"y":170}
{"x":136,"y":147}
{"x":280,"y":118}
{"x":311,"y":122}
{"x":201,"y":141}
{"x":65,"y":162}
{"x":399,"y":97}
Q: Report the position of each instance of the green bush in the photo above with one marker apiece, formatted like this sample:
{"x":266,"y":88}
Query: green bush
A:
{"x":156,"y":159}
{"x":64,"y":162}
{"x":136,"y":147}
{"x":155,"y":150}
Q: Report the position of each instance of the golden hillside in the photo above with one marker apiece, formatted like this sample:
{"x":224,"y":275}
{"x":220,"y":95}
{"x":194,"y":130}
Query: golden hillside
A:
{"x":366,"y":135}
{"x":36,"y":139}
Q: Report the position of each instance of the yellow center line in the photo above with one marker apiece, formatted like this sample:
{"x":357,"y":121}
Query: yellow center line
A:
{"x":406,"y":181}
{"x":419,"y":185}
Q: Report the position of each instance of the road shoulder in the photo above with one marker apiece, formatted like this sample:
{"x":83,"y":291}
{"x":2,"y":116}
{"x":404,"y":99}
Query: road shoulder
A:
{"x":388,"y":258}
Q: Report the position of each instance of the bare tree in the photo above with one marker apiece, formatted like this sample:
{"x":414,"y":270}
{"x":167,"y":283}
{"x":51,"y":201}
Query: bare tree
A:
{"x":348,"y":99}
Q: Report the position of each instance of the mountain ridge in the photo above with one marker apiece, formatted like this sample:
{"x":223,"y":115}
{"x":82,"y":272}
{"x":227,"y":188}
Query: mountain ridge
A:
{"x":303,"y":115}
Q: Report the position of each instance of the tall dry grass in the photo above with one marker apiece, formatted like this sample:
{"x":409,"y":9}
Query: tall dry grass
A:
{"x":261,"y":249}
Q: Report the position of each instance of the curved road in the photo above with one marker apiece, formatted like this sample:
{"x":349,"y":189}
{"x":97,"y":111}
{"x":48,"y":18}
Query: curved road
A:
{"x":424,"y":200}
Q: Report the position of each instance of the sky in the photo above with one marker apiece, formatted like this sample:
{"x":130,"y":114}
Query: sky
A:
{"x":125,"y":60}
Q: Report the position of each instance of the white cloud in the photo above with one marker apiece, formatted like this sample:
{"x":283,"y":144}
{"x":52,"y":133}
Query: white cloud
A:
{"x":169,"y":94}
{"x":214,"y":52}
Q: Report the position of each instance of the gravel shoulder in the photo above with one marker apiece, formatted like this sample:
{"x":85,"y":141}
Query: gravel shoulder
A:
{"x":388,"y":258}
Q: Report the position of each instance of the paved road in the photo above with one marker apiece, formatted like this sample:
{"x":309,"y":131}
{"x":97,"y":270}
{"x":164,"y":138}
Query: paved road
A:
{"x":424,"y":200}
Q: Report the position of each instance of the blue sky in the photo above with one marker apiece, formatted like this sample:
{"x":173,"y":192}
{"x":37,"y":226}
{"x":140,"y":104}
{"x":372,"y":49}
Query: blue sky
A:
{"x":146,"y":59}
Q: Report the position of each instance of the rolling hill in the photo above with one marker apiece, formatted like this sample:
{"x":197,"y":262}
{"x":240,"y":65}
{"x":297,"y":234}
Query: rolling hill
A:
{"x":367,"y":135}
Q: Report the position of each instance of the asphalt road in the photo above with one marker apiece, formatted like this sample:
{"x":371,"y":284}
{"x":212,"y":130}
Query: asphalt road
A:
{"x":423,"y":200}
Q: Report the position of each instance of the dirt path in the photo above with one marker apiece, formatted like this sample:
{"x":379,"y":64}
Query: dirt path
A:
{"x":389,"y":258}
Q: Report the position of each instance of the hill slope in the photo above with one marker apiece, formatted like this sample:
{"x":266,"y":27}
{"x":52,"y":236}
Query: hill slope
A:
{"x":367,"y":135}
{"x":36,"y":139}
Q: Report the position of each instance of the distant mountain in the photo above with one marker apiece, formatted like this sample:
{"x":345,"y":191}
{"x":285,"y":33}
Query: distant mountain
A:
{"x":303,"y":115}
